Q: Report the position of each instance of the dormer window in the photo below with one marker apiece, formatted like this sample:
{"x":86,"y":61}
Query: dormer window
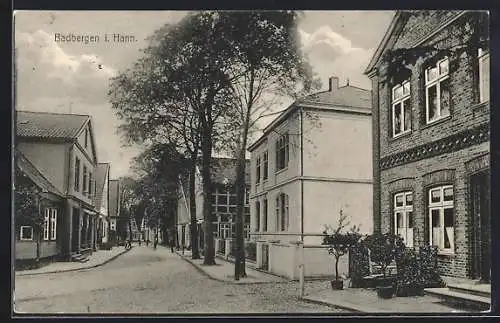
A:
{"x":401,"y":109}
{"x":437,"y":91}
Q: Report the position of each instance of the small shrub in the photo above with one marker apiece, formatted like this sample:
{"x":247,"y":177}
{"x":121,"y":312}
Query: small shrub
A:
{"x":417,"y":270}
{"x":359,"y":265}
{"x":384,"y":249}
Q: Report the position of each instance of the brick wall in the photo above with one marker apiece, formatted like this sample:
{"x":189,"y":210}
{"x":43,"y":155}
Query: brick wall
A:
{"x":417,"y":176}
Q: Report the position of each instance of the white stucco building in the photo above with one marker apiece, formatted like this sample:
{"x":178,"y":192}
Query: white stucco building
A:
{"x":311,"y":162}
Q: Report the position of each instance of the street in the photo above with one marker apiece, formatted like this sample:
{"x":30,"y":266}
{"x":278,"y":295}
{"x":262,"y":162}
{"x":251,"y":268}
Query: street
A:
{"x":153,"y":281}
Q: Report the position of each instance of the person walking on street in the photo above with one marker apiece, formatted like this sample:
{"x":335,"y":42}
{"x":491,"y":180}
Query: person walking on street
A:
{"x":172,"y":245}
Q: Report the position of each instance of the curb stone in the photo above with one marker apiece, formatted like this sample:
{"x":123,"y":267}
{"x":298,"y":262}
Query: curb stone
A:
{"x":222,"y":280}
{"x":343,"y":307}
{"x":76,"y":269}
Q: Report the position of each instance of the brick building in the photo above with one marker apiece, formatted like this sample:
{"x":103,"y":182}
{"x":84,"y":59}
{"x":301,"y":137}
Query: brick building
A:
{"x":431,"y":150}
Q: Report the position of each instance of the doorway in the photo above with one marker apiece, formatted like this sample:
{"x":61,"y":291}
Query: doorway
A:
{"x":75,"y":229}
{"x":481,"y":226}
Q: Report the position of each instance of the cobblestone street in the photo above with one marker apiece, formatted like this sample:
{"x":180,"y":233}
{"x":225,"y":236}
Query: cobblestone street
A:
{"x":154,"y":281}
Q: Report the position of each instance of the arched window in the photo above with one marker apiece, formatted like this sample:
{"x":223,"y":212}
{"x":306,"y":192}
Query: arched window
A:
{"x":282,"y":212}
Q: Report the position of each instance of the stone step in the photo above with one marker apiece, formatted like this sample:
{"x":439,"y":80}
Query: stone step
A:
{"x":483,"y":290}
{"x":462,"y":299}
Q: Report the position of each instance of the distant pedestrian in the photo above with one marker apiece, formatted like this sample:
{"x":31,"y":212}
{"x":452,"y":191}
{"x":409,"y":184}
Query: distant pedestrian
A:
{"x":147,"y":242}
{"x":155,"y":243}
{"x":172,"y":245}
{"x":139,"y":242}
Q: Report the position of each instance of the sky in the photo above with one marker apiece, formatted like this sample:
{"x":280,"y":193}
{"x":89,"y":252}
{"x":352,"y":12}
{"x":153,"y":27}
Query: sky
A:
{"x":73,"y":77}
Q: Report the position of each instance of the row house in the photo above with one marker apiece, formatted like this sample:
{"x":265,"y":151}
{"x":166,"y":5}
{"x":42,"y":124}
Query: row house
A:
{"x":223,"y":203}
{"x":57,"y":153}
{"x":431,"y":129}
{"x":114,"y":209}
{"x":311,"y":162}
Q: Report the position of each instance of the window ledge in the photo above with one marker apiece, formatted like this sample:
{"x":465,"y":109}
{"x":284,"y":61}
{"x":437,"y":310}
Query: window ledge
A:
{"x":445,"y":253}
{"x":435,"y":122}
{"x":401,"y":135}
{"x":281,"y":171}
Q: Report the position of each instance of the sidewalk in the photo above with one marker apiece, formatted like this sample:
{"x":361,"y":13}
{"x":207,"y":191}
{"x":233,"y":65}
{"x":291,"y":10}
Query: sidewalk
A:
{"x":224,"y":271}
{"x":97,"y":258}
{"x":367,"y":301}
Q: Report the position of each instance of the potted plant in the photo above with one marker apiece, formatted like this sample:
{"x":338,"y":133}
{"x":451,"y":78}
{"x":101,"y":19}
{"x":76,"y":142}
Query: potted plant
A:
{"x":384,"y":249}
{"x":339,"y":243}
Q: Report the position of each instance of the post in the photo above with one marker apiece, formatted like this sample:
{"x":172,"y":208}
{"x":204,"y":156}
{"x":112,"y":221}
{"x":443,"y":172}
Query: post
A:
{"x":301,"y":268}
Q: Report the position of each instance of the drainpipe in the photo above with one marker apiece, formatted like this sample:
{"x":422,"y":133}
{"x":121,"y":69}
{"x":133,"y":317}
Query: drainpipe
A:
{"x":301,"y":176}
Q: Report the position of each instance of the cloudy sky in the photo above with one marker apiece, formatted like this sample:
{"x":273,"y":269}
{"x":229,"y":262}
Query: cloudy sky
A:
{"x":74,"y":76}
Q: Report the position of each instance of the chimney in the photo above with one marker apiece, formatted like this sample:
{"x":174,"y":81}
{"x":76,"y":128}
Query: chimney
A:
{"x":333,"y":83}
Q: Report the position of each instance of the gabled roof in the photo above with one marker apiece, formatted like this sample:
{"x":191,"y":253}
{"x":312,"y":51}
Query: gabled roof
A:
{"x":49,"y":125}
{"x":25,"y":166}
{"x":347,"y":96}
{"x":389,"y":36}
{"x":102,"y":170}
{"x":114,"y":198}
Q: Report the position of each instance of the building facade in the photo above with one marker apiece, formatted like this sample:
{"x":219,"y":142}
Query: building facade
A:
{"x":114,"y":209}
{"x":223,"y":204}
{"x":101,"y":202}
{"x":62,"y":148}
{"x":431,"y":126}
{"x":312,"y":161}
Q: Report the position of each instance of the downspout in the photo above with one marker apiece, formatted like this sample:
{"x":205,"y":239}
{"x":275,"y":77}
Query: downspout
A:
{"x":301,"y":176}
{"x":69,"y":211}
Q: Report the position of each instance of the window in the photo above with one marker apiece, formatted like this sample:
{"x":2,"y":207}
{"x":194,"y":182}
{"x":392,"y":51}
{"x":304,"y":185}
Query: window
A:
{"x":264,"y":217}
{"x":401,"y":109}
{"x":282,"y":212}
{"x":265,"y":165}
{"x":46,"y":224}
{"x":484,"y":75}
{"x":84,"y":181}
{"x":86,"y":138}
{"x":257,"y":170}
{"x":437,"y":91}
{"x":246,"y":231}
{"x":77,"y":174}
{"x":282,"y":152}
{"x":403,"y":216}
{"x":441,"y":218}
{"x":53,"y":224}
{"x":257,"y":216}
{"x":90,"y":185}
{"x":26,"y":233}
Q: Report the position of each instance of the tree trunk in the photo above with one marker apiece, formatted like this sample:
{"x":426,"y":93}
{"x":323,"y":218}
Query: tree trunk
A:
{"x":195,"y":254}
{"x":337,"y":268}
{"x":239,"y":265}
{"x":130,"y":228}
{"x":209,"y":251}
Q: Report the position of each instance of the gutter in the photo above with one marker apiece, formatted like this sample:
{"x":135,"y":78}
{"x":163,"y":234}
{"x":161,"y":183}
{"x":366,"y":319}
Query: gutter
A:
{"x":301,"y":175}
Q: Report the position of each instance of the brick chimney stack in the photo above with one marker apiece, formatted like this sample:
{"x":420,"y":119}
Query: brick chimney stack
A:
{"x":333,"y":83}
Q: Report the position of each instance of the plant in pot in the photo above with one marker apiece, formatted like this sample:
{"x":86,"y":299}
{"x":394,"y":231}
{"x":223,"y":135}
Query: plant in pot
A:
{"x":339,"y":242}
{"x":384,"y":249}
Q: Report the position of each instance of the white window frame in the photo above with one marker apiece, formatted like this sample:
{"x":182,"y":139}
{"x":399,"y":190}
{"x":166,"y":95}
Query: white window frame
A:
{"x":258,"y":213}
{"x":441,"y":206}
{"x":283,"y":143}
{"x":441,"y":77}
{"x":282,"y":212}
{"x":404,"y":210}
{"x":53,"y":224}
{"x":257,"y":170}
{"x":483,"y":58}
{"x":46,"y":224}
{"x":21,"y":236}
{"x":265,"y":166}
{"x":404,"y":98}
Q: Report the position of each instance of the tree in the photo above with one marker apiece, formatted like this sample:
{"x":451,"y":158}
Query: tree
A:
{"x":178,"y":87}
{"x":28,"y":207}
{"x":264,"y":63}
{"x":474,"y":34}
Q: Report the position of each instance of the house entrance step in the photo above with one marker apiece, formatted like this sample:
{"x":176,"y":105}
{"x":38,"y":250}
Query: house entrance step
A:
{"x":483,"y":290}
{"x":461,"y":298}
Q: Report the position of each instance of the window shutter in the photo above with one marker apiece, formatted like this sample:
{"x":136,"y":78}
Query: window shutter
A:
{"x":46,"y":225}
